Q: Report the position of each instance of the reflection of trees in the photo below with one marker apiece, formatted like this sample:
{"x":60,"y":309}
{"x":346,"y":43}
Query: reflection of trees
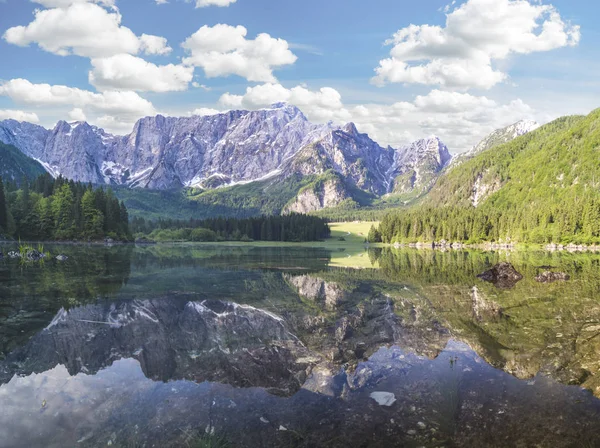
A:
{"x":429,"y":267}
{"x":239,"y":257}
{"x":530,"y":329}
{"x":31,"y":294}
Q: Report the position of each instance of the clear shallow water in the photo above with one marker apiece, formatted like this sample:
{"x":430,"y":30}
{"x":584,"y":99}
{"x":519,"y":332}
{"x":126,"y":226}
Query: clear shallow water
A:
{"x":183,"y":346}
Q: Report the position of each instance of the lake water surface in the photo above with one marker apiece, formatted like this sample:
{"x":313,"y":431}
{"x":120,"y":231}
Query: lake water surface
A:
{"x":214,"y":346}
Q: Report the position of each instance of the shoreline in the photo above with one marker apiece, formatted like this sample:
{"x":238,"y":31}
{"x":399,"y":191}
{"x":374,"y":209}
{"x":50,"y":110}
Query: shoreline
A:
{"x":333,"y":243}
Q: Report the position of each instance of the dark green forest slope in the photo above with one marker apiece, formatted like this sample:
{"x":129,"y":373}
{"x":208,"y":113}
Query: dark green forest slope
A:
{"x":60,"y":209}
{"x":16,"y":166}
{"x":542,"y":187}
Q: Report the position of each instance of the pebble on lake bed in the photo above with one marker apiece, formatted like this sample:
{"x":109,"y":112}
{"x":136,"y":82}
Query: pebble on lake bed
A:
{"x":383,"y":398}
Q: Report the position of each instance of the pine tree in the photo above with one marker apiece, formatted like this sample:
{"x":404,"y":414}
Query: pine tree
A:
{"x":374,"y":235}
{"x":3,"y":208}
{"x":62,"y":206}
{"x":124,"y":219}
{"x":92,"y":218}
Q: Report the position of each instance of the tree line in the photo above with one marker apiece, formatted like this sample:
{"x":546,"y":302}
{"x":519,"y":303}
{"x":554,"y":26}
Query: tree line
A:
{"x":61,"y":209}
{"x":574,"y":219}
{"x":287,"y":228}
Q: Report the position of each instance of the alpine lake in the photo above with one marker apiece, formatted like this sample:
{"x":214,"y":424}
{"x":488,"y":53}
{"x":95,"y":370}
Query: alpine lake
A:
{"x":257,"y":346}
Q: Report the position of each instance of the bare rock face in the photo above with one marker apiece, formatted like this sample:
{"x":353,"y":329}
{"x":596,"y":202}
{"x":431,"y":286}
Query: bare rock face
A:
{"x":416,"y":166}
{"x":551,"y":277}
{"x":503,"y":275}
{"x":323,"y":195}
{"x":484,"y":188}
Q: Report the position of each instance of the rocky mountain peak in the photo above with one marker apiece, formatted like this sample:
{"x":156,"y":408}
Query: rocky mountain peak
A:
{"x":288,"y":109}
{"x":504,"y":135}
{"x":498,"y":137}
{"x":350,"y":128}
{"x":523,"y":127}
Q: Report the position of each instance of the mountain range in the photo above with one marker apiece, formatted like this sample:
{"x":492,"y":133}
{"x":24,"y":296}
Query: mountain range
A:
{"x":289,"y":163}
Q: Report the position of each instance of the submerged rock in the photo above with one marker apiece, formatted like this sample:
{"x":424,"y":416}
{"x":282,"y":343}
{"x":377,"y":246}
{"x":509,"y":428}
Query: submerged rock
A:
{"x":383,"y":398}
{"x":34,"y":255}
{"x":503,"y":275}
{"x":551,"y":277}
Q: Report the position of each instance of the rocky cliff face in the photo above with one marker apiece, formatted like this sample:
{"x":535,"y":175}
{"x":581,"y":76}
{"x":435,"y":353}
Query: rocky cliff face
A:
{"x":416,"y":166}
{"x":361,"y":161}
{"x":322,"y":194}
{"x":223,"y":149}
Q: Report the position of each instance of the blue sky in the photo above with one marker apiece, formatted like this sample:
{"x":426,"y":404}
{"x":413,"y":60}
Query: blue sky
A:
{"x":456,"y":70}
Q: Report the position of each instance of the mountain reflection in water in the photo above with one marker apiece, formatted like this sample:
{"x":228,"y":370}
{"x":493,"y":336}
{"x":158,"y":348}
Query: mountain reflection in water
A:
{"x":270,"y":347}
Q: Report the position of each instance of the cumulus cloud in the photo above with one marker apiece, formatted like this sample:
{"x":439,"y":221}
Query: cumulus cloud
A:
{"x":19,"y":115}
{"x":205,"y":3}
{"x":322,"y":105}
{"x":202,"y":111}
{"x":77,"y":114}
{"x":223,"y":50}
{"x":127,"y":72}
{"x":124,"y":107}
{"x":460,"y":119}
{"x":477,"y":33}
{"x":150,"y":44}
{"x":66,"y":3}
{"x":84,"y":29}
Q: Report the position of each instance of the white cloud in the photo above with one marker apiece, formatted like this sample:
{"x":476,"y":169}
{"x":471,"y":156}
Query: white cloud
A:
{"x":84,"y":29}
{"x":202,"y":111}
{"x":460,"y":119}
{"x":126,"y":72}
{"x":204,"y":87}
{"x":124,"y":107}
{"x":19,"y":115}
{"x":67,"y":3}
{"x":203,"y":3}
{"x":150,"y":44}
{"x":114,"y":125}
{"x":477,"y":33}
{"x":221,"y":3}
{"x":438,"y":101}
{"x":77,"y":114}
{"x":223,"y":50}
{"x":321,"y":105}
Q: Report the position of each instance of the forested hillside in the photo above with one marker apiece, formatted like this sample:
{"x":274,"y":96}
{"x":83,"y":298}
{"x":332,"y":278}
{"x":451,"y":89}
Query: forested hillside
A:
{"x":16,"y":166}
{"x":542,"y":187}
{"x":57,"y":209}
